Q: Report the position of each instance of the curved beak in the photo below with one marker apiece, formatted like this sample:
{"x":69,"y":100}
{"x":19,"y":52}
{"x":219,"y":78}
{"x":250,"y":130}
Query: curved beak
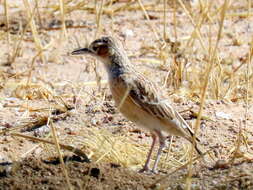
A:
{"x":81,"y":51}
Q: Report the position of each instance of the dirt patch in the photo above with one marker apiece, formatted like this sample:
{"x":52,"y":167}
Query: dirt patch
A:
{"x":33,"y":173}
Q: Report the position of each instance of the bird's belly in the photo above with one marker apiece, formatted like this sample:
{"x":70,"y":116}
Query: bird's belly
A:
{"x":139,"y":116}
{"x":131,"y":110}
{"x":149,"y":122}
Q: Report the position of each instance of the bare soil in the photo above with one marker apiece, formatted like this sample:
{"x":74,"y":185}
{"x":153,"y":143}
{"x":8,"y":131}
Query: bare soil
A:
{"x":64,"y":89}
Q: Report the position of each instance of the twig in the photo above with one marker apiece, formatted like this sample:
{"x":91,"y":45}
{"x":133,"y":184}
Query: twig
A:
{"x":63,"y":146}
{"x":57,"y":146}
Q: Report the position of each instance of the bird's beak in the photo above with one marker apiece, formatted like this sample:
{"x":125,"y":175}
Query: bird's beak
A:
{"x":81,"y":51}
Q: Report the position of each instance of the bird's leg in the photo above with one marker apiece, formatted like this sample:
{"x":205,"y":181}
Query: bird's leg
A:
{"x":146,"y":166}
{"x":161,"y":146}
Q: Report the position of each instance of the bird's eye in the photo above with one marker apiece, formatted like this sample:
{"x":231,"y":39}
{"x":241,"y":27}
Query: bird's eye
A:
{"x":95,"y":48}
{"x":103,"y":50}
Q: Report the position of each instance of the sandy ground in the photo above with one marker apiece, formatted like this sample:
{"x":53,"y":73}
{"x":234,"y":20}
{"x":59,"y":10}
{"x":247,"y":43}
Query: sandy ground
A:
{"x":116,"y":147}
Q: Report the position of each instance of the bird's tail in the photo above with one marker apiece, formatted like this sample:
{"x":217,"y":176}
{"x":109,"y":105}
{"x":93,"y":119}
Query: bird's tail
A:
{"x":196,"y":144}
{"x":198,"y":150}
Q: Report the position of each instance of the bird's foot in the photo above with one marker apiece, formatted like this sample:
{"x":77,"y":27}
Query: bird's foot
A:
{"x":146,"y":170}
{"x":154,"y":171}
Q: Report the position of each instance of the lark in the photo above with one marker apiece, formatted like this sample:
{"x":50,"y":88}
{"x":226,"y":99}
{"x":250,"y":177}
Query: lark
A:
{"x":137,"y":98}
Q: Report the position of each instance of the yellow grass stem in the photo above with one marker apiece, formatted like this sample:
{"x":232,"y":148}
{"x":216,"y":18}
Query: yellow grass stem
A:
{"x":147,"y":17}
{"x":62,"y":10}
{"x":6,"y":11}
{"x":99,"y":14}
{"x":30,"y":14}
{"x":204,"y":90}
{"x":63,"y":146}
{"x":196,"y":27}
{"x":57,"y":146}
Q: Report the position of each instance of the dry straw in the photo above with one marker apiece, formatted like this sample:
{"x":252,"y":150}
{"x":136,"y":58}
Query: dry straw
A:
{"x":212,"y":56}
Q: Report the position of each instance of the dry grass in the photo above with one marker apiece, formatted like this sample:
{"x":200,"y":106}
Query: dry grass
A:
{"x":196,"y":68}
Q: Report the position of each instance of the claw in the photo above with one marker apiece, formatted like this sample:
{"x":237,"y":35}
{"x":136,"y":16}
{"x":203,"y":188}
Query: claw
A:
{"x":154,"y":171}
{"x":145,"y":170}
{"x":148,"y":171}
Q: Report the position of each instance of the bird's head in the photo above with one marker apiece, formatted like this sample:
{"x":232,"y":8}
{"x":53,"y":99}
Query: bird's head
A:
{"x":105,"y":49}
{"x":109,"y":51}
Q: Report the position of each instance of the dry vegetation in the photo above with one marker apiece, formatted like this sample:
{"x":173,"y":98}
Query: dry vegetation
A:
{"x":199,"y":51}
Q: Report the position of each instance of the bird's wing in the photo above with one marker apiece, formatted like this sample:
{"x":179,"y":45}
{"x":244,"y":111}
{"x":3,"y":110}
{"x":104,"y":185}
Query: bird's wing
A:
{"x":145,"y":94}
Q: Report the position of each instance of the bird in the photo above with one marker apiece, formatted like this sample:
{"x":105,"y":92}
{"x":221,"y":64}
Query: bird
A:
{"x":139,"y":99}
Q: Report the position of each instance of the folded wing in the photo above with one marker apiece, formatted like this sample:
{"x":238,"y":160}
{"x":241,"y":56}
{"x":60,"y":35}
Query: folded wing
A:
{"x":148,"y":96}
